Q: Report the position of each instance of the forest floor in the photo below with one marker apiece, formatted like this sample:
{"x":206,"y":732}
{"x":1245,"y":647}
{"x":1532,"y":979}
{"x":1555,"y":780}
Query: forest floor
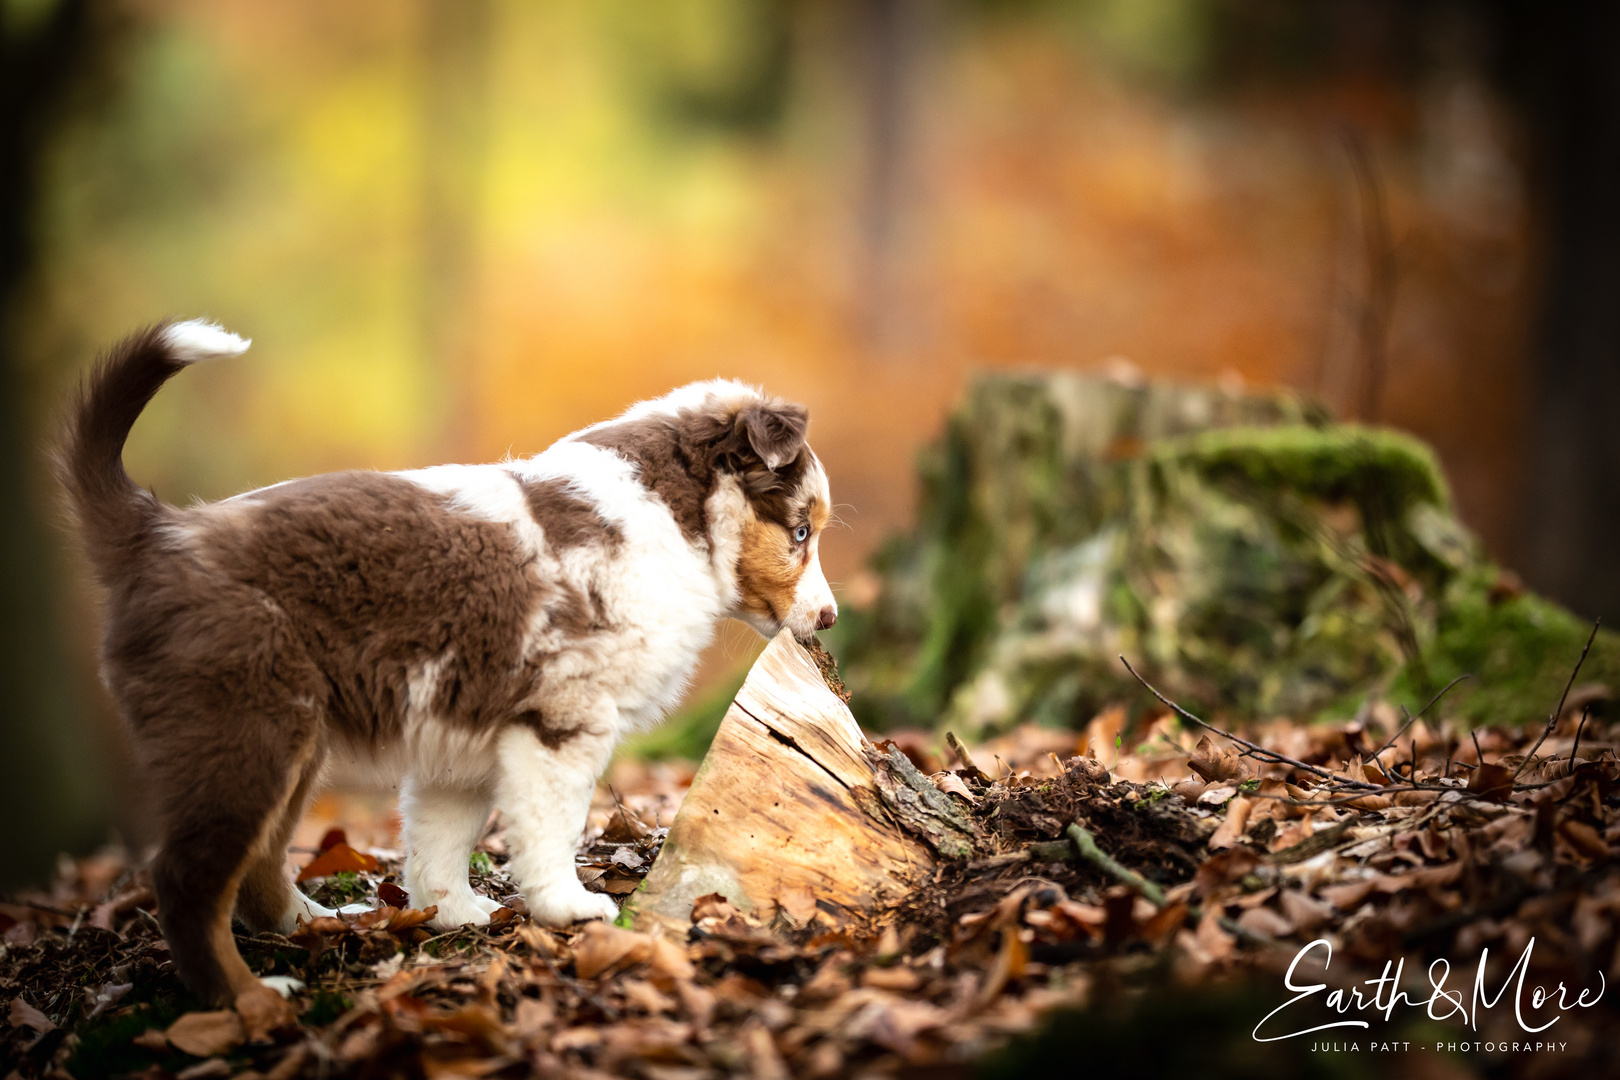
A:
{"x":1122,"y":909}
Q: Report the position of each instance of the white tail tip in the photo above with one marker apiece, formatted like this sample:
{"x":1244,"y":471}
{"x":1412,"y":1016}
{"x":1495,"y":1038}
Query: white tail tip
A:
{"x":200,"y":339}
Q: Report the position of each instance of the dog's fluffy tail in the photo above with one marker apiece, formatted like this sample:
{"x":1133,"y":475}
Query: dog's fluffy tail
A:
{"x":113,"y":513}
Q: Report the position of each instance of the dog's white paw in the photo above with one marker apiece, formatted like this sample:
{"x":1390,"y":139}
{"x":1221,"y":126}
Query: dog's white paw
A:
{"x":461,"y":909}
{"x":560,"y":907}
{"x":302,"y":907}
{"x":490,"y":906}
{"x":285,"y":985}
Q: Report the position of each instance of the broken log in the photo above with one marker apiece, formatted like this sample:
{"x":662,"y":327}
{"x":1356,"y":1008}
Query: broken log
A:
{"x":794,"y":816}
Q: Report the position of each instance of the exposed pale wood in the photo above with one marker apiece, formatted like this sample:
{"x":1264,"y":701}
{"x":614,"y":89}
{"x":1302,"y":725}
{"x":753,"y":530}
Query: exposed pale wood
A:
{"x":784,"y":816}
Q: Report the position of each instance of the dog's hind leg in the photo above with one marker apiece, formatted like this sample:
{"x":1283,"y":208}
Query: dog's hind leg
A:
{"x":267,"y":899}
{"x":224,"y":796}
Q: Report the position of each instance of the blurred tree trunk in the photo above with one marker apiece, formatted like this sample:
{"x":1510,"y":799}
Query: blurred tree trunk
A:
{"x":1572,"y":505}
{"x":455,"y":48}
{"x":50,"y":796}
{"x":888,"y":38}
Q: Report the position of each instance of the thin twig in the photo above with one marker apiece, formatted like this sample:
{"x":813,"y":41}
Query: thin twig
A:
{"x":1086,"y":845}
{"x":1552,"y":721}
{"x":1579,"y":728}
{"x":1272,"y":755}
{"x":1410,"y":720}
{"x":965,"y":758}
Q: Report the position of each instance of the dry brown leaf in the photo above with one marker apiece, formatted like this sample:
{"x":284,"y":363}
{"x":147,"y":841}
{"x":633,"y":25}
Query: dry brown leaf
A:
{"x":1491,"y":782}
{"x":1219,"y":871}
{"x":951,"y":784}
{"x":337,"y":859}
{"x":1231,"y":830}
{"x":1304,"y":911}
{"x":211,"y":1069}
{"x":1215,"y":942}
{"x":1265,"y":922}
{"x":1583,"y":838}
{"x":712,"y":906}
{"x":1348,"y":896}
{"x":1217,"y":763}
{"x":602,"y":947}
{"x":898,"y":978}
{"x":25,"y":1015}
{"x":1011,"y":959}
{"x":262,"y":1011}
{"x":764,"y":1061}
{"x":205,"y":1034}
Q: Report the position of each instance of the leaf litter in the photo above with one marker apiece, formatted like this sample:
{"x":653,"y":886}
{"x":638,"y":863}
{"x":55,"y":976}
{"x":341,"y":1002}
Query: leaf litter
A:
{"x":1175,"y":862}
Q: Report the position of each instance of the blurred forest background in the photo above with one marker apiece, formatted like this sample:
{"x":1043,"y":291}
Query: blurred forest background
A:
{"x":459,"y":228}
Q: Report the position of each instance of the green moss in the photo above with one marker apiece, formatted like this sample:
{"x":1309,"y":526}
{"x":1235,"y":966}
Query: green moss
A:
{"x":326,"y":1007}
{"x":343,"y":887}
{"x":1519,"y":650}
{"x":1338,"y":462}
{"x":105,"y":1047}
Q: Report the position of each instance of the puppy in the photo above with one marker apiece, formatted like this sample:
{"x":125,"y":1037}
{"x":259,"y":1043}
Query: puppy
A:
{"x":483,"y":633}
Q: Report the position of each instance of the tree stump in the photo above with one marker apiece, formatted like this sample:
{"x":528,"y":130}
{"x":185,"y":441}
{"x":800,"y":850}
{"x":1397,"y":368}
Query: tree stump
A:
{"x":793,"y":815}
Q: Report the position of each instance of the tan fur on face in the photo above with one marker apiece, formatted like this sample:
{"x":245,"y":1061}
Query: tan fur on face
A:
{"x":771,"y":564}
{"x":768,"y":569}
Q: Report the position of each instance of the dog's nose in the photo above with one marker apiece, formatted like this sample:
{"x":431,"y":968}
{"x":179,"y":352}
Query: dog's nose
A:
{"x":829,"y":615}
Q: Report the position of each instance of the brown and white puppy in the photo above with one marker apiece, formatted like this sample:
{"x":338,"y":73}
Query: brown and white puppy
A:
{"x":482,"y":633}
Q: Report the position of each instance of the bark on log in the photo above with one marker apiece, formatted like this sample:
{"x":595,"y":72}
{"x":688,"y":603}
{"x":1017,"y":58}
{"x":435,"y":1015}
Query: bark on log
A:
{"x":793,"y":815}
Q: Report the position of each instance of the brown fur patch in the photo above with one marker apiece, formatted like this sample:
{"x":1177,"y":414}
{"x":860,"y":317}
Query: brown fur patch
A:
{"x":377,"y":578}
{"x":674,"y":459}
{"x":679,"y":457}
{"x":566,"y":519}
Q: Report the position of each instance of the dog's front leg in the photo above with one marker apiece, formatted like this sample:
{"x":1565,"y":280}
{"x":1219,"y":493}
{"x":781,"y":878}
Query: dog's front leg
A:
{"x":442,"y":824}
{"x":544,"y":793}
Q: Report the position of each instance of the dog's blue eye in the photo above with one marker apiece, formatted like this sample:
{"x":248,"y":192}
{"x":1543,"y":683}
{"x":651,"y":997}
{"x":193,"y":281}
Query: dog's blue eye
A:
{"x":801,"y":534}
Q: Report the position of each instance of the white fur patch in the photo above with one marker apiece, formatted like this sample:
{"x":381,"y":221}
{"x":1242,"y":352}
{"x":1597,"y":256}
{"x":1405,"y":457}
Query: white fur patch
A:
{"x":199,"y":339}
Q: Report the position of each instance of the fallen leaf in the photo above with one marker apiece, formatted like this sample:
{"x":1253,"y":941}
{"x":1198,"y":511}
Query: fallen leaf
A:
{"x":899,"y":979}
{"x":711,"y":906}
{"x":1492,"y":782}
{"x":602,"y":947}
{"x":1231,"y":830}
{"x":109,"y":995}
{"x":951,"y":784}
{"x":1011,"y":959}
{"x":1581,"y":836}
{"x":25,"y":1015}
{"x":1216,"y":763}
{"x":625,"y":827}
{"x":335,"y":860}
{"x":204,"y":1034}
{"x":1265,"y":922}
{"x":392,"y":895}
{"x":262,"y":1011}
{"x":212,"y":1069}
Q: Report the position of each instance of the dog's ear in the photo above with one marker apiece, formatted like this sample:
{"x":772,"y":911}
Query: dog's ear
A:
{"x":773,"y":430}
